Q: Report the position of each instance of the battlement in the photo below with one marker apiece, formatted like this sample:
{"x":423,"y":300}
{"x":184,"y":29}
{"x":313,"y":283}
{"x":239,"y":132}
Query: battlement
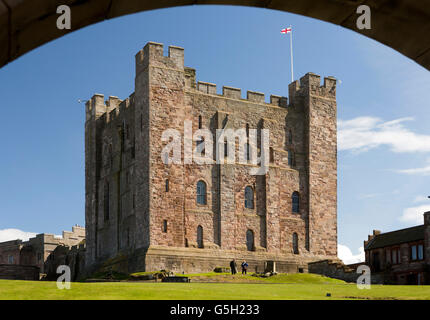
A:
{"x":107,"y":110}
{"x":68,"y":237}
{"x":236,"y":93}
{"x":153,"y":54}
{"x":310,"y":83}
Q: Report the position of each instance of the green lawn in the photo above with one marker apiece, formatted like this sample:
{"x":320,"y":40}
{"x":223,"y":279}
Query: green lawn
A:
{"x":291,"y":286}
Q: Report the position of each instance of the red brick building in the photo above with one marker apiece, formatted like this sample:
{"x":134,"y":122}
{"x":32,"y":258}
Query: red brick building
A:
{"x":401,"y":256}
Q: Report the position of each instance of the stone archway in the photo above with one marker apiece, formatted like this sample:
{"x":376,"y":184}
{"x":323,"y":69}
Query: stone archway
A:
{"x":403,"y":25}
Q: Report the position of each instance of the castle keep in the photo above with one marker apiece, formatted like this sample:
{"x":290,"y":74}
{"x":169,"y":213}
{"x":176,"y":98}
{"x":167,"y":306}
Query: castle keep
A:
{"x":145,"y":215}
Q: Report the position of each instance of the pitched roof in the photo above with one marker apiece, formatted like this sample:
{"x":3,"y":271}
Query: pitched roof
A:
{"x":396,"y":237}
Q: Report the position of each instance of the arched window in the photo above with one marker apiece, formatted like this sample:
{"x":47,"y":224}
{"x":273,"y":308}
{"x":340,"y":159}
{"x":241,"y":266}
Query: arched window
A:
{"x":200,"y":236}
{"x":249,"y":197}
{"x":250,"y":240}
{"x":295,"y":243}
{"x":295,"y":199}
{"x":290,"y":158}
{"x":201,"y":192}
{"x":106,"y":201}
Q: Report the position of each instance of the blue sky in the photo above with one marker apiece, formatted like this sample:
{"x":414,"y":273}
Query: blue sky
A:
{"x":384,"y":139}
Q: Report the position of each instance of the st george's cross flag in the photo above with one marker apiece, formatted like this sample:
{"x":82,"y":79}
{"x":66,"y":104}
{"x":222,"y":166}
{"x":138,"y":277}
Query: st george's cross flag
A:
{"x":289,"y":30}
{"x":286,"y":30}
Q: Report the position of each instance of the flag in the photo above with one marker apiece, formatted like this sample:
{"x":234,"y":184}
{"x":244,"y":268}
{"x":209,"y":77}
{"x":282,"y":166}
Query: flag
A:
{"x":286,"y":30}
{"x":289,"y":30}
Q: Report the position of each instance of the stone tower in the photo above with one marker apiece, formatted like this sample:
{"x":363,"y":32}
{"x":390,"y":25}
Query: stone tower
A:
{"x":149,"y":215}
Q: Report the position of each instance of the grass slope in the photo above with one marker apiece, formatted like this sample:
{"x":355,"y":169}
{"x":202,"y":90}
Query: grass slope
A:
{"x":284,"y":286}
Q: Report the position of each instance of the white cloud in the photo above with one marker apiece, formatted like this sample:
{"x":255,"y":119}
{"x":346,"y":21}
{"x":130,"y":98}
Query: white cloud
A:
{"x":365,"y":133}
{"x":13,"y":234}
{"x":421,"y":198}
{"x":414,"y":215}
{"x":425,"y":171}
{"x":345,"y":254}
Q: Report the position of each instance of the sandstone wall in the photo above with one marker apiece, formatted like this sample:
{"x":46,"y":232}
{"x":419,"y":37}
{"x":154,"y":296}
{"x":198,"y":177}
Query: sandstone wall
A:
{"x":123,"y":156}
{"x":18,"y":272}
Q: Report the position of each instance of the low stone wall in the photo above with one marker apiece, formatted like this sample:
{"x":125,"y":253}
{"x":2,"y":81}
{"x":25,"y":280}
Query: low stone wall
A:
{"x":337,"y":270}
{"x":333,"y":269}
{"x":19,"y":272}
{"x":193,"y":260}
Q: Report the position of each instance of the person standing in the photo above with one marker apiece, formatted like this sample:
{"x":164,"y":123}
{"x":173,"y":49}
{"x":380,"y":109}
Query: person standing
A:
{"x":244,"y":267}
{"x":233,"y":266}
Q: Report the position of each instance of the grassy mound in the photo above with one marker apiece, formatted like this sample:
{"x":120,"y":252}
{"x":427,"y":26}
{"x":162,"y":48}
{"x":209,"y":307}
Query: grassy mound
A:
{"x":292,"y":278}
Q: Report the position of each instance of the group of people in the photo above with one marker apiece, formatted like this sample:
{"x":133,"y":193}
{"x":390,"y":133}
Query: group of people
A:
{"x":233,"y":267}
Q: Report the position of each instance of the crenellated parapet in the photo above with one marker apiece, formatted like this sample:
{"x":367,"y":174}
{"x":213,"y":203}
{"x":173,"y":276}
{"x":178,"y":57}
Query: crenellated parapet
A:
{"x":152,"y":54}
{"x":310,"y":84}
{"x":236,"y":93}
{"x":109,"y":110}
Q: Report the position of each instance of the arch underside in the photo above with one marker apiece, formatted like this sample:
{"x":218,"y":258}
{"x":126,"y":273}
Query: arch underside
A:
{"x":403,"y":25}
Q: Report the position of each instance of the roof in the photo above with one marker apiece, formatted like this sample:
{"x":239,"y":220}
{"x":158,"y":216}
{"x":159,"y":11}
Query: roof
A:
{"x":396,"y":237}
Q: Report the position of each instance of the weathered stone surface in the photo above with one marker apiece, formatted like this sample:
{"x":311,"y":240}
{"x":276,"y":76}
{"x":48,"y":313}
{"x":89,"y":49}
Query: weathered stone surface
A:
{"x":129,"y":209}
{"x":44,"y":250}
{"x":19,"y":272}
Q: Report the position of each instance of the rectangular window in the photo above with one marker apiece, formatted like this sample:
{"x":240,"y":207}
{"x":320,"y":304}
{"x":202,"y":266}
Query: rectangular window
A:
{"x":394,"y":256}
{"x":200,"y":146}
{"x":388,"y":256}
{"x":10,"y":260}
{"x":399,"y":257}
{"x":420,"y":252}
{"x":164,"y":226}
{"x":414,"y":252}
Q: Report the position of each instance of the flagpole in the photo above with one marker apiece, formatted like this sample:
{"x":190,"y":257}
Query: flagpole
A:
{"x":291,"y":53}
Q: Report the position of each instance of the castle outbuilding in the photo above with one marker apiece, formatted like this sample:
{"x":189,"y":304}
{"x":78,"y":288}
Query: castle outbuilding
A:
{"x":33,"y":259}
{"x":400,"y":256}
{"x":143,"y":214}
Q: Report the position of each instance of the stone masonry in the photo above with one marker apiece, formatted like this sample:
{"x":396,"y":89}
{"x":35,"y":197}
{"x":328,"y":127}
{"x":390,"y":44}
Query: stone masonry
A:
{"x":39,"y":250}
{"x":143,"y":215}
